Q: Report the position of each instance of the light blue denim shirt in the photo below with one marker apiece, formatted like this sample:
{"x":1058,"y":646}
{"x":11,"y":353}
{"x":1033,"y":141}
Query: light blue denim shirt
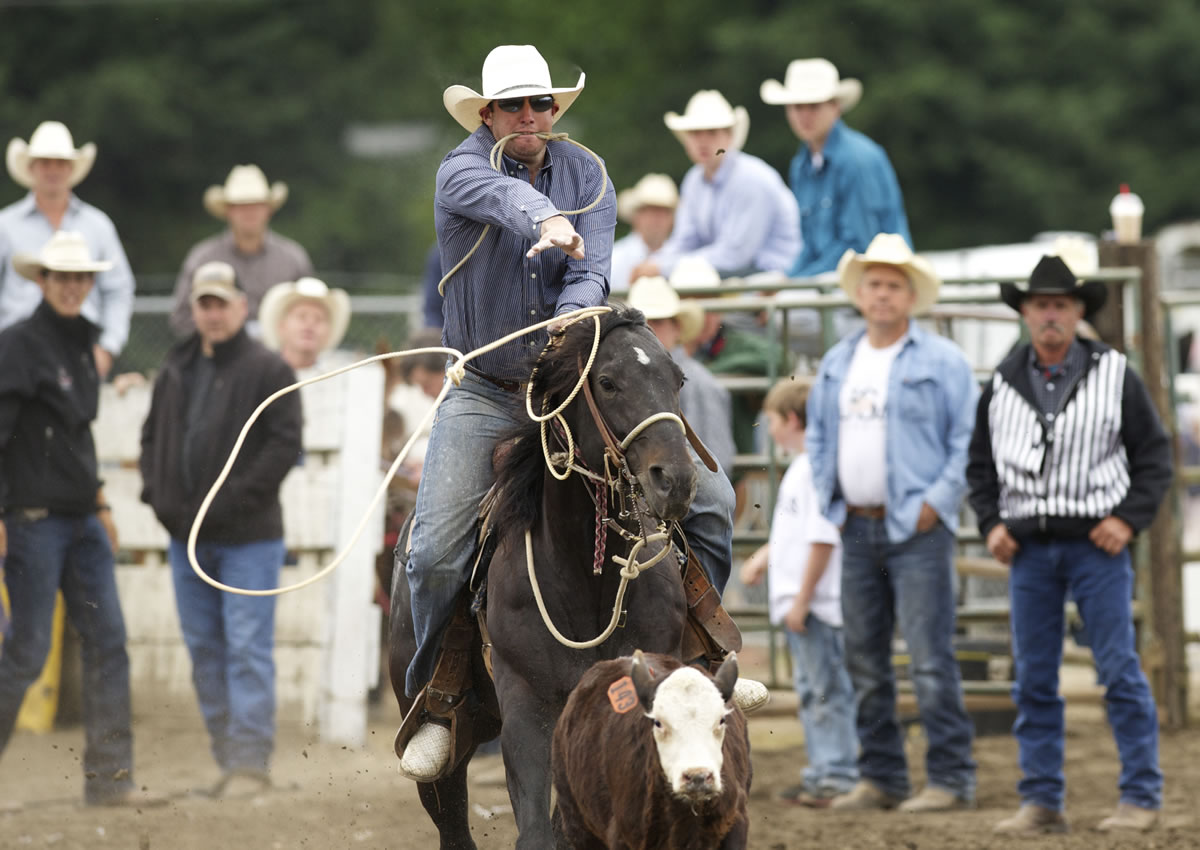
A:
{"x":25,"y":230}
{"x":930,"y":417}
{"x":853,"y":196}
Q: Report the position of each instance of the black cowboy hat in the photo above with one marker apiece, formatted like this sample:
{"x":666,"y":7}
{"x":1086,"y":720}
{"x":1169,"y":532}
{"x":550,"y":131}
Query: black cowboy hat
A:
{"x":1051,"y":276}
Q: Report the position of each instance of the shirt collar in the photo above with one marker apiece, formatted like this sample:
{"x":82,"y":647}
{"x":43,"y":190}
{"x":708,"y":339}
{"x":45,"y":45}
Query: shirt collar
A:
{"x":833,"y":144}
{"x":1068,"y":364}
{"x":484,"y":141}
{"x":28,"y":206}
{"x":724,"y":170}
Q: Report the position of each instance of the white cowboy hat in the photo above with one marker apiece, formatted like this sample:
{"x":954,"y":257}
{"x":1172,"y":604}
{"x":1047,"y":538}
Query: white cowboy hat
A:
{"x":709,"y":110}
{"x":67,"y":251}
{"x":282,"y":296}
{"x":694,"y":272}
{"x":510,"y":70}
{"x":812,"y":81}
{"x":657,"y":300}
{"x":890,"y":249}
{"x":51,"y":140}
{"x":653,"y":190}
{"x":246,"y":184}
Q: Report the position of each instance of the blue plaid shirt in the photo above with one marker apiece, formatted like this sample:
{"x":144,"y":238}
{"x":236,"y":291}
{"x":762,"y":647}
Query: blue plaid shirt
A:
{"x":499,"y":290}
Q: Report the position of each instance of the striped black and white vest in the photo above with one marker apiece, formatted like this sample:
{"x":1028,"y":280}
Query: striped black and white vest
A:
{"x":1066,"y":464}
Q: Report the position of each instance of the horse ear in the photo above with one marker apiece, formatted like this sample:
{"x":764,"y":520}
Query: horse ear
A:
{"x":727,"y":675}
{"x":643,"y":681}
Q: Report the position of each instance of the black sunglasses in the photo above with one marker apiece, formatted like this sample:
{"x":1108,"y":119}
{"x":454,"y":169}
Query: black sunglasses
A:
{"x":537,"y":104}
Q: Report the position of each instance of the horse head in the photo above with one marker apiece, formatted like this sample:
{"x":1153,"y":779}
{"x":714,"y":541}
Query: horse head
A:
{"x":631,"y":379}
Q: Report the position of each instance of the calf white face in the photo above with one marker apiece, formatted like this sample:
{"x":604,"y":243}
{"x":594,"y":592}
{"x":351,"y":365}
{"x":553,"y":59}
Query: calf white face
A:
{"x":689,"y":730}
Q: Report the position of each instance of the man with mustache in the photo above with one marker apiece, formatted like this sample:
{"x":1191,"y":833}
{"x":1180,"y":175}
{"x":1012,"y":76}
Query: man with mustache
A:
{"x":1068,"y":461}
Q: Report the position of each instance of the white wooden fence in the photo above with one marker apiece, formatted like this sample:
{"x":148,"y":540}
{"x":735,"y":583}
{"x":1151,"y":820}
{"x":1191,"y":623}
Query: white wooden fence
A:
{"x":327,"y":635}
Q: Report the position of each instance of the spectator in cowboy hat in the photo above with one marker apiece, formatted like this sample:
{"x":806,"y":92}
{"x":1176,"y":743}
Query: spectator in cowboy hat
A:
{"x":734,"y":210}
{"x":304,"y":321}
{"x":56,"y":529}
{"x":889,"y":419}
{"x":844,"y":183}
{"x":50,"y":166}
{"x":649,"y":209}
{"x":260,"y":257}
{"x":705,"y":403}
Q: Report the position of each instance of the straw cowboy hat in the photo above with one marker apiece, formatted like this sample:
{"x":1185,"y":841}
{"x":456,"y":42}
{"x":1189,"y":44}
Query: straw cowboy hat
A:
{"x":812,"y":81}
{"x":510,"y":70}
{"x":246,"y":184}
{"x":653,"y":190}
{"x":283,"y":296}
{"x":1052,"y":276}
{"x":67,"y":251}
{"x":657,"y":300}
{"x":890,"y":249}
{"x":51,"y":140}
{"x":709,"y":110}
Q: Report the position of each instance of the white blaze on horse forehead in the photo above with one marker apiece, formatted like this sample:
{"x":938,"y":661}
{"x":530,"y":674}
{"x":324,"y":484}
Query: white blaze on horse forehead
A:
{"x":689,"y":708}
{"x":642,"y":356}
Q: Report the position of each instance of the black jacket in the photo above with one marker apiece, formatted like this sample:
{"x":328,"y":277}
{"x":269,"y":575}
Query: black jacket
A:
{"x":247,"y":507}
{"x":48,"y":395}
{"x":1147,"y":450}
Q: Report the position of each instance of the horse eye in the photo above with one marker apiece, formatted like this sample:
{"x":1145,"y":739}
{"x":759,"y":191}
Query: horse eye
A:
{"x":606,"y":384}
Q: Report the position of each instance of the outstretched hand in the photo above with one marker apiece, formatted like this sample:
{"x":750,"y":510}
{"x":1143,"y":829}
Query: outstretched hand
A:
{"x":557,"y":232}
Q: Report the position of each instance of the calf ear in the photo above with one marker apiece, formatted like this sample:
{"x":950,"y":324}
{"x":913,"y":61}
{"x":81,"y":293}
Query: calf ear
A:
{"x":643,"y":682}
{"x":727,"y":675}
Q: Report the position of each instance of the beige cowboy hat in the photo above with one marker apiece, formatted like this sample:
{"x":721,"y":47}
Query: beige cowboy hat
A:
{"x":246,"y":184}
{"x":51,"y":140}
{"x":283,"y":296}
{"x":653,"y":190}
{"x":709,"y":110}
{"x":655,"y":297}
{"x":510,"y":70}
{"x":890,"y":249}
{"x":67,"y":251}
{"x":812,"y":81}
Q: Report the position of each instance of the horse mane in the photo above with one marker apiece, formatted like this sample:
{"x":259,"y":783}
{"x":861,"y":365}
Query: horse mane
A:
{"x":521,"y":472}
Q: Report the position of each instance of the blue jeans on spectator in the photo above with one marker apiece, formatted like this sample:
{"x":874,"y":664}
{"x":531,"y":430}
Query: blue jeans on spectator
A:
{"x":826,"y":706}
{"x":71,"y":553}
{"x":1102,"y":586}
{"x":231,"y":639}
{"x":458,"y":473}
{"x":912,"y":584}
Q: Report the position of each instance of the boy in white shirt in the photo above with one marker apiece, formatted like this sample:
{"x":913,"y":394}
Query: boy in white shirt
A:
{"x":802,"y":561}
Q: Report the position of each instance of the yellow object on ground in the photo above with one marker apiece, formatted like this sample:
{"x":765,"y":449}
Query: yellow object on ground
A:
{"x":41,"y":700}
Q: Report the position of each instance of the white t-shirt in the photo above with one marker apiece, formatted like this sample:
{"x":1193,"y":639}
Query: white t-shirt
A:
{"x":797,"y":524}
{"x":862,"y":430}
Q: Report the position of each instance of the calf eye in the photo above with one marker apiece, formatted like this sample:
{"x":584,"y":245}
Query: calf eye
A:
{"x":657,"y":723}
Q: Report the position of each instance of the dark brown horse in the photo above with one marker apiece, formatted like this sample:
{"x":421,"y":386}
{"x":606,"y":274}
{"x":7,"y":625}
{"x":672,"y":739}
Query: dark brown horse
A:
{"x":653,"y":482}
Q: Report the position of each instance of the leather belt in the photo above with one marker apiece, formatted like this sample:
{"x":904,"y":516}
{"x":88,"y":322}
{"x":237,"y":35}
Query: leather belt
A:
{"x":507,"y":386}
{"x":868,"y":511}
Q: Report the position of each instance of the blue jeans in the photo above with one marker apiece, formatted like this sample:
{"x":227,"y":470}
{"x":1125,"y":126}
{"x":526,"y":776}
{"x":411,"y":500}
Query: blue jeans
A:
{"x":912,"y":584}
{"x":72,"y":554}
{"x":231,"y":639}
{"x":1102,"y":586}
{"x":458,"y":473}
{"x":826,"y":705}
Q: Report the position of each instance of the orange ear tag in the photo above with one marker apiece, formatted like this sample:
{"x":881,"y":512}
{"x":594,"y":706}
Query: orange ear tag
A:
{"x":623,"y":695}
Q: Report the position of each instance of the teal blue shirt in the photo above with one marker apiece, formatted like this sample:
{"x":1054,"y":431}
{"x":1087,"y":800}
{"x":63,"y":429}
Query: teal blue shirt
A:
{"x":853,"y":196}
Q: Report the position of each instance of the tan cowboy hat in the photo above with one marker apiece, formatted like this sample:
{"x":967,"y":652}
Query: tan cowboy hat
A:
{"x":657,"y":300}
{"x":709,"y":110}
{"x":67,"y":251}
{"x":890,"y":249}
{"x":653,"y":190}
{"x":510,"y":70}
{"x":51,"y":140}
{"x":283,"y":296}
{"x":812,"y":81}
{"x":246,"y":184}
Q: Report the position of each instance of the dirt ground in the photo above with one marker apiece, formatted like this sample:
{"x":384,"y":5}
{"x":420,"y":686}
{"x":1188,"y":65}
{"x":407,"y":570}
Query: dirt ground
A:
{"x":331,"y":797}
